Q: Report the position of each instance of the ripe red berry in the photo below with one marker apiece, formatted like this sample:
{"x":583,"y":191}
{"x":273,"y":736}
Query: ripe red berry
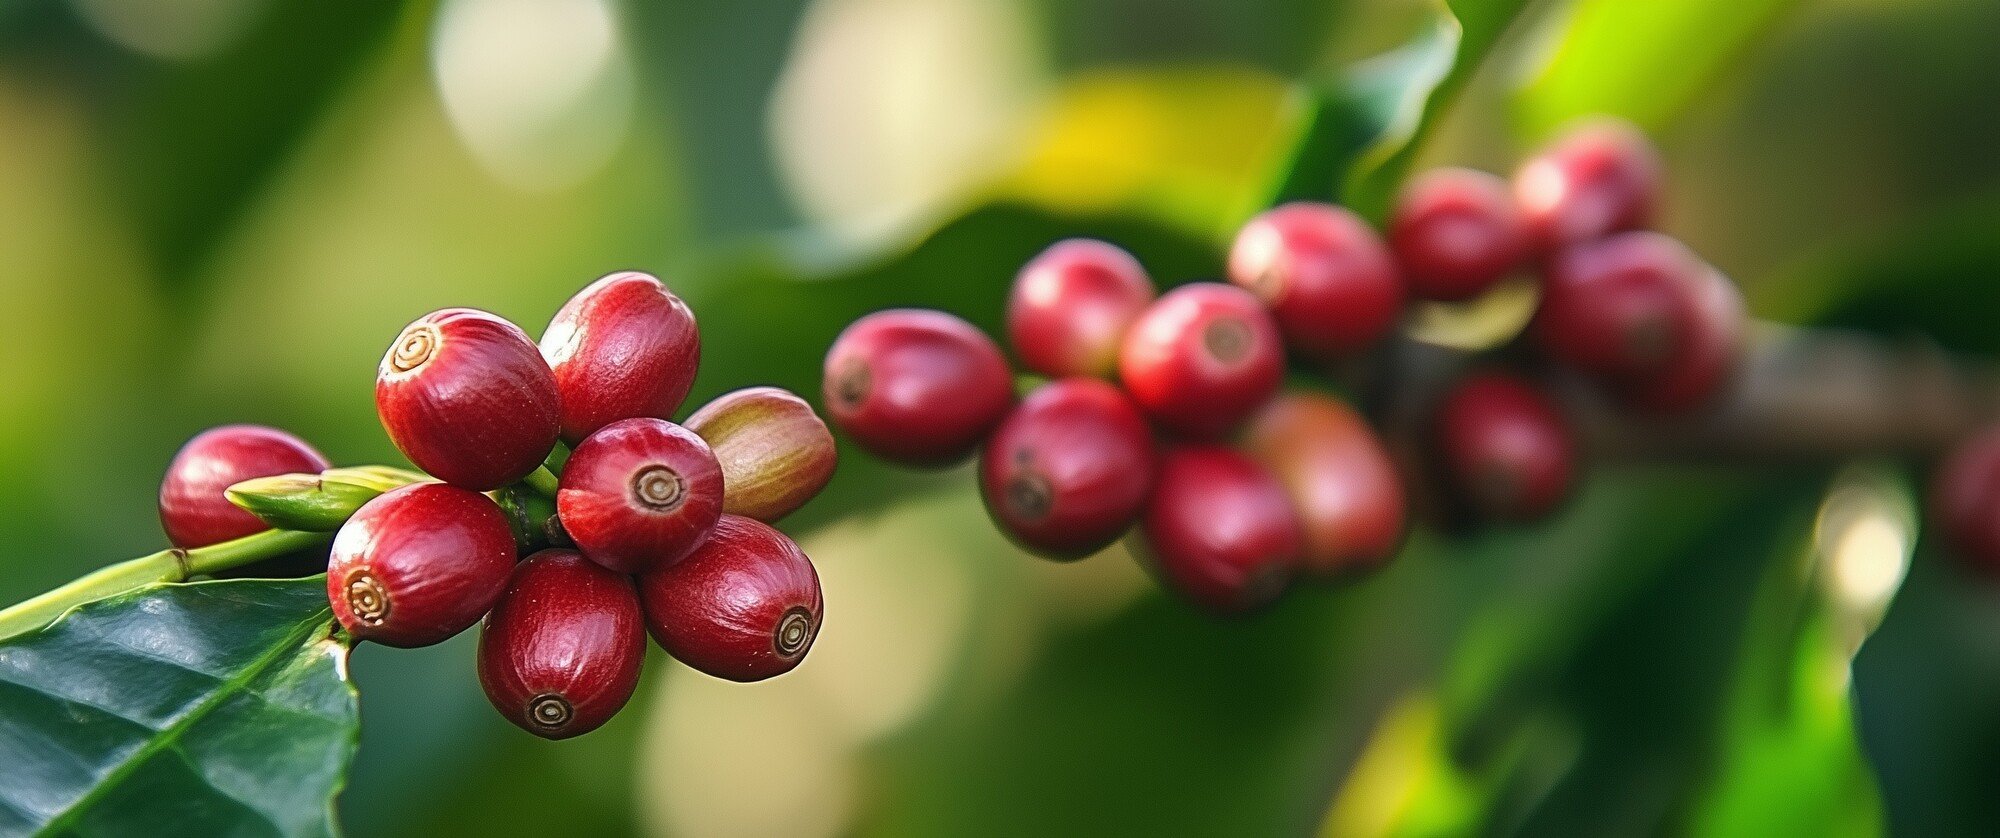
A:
{"x":745,"y":607}
{"x":560,"y":654}
{"x":1965,"y":502}
{"x":1598,"y":179}
{"x":1070,"y":307}
{"x":1067,"y":472}
{"x":1327,"y":277}
{"x":1506,"y":449}
{"x":419,"y":564}
{"x":1340,"y":478}
{"x":1219,"y":530}
{"x":1714,"y":323}
{"x":194,"y":511}
{"x":624,"y":347}
{"x":916,"y":386}
{"x":775,"y":452}
{"x":640,"y":494}
{"x":1616,"y":307}
{"x":465,"y":395}
{"x":1455,"y":233}
{"x":1202,"y":358}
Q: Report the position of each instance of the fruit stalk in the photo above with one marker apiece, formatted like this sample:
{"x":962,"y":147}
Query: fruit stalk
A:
{"x":164,"y":566}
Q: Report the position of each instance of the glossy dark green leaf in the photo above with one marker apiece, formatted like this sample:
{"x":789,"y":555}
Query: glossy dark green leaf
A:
{"x":1360,"y":130}
{"x":212,"y":708}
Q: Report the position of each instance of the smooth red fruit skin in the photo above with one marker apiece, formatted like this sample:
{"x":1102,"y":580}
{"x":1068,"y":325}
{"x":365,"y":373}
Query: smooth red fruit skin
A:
{"x":1601,"y":178}
{"x":1340,"y":478}
{"x":560,"y":655}
{"x":1070,"y":306}
{"x":1713,"y":321}
{"x":1326,"y":276}
{"x":467,"y":397}
{"x":916,"y":386}
{"x":1455,"y":233}
{"x":419,"y":564}
{"x":1507,"y":449}
{"x":192,"y":507}
{"x":1219,"y":530}
{"x":623,"y":348}
{"x":1965,"y":502}
{"x":775,"y":452}
{"x":640,"y":494}
{"x":1202,"y":358}
{"x":745,"y":607}
{"x":1615,"y":307}
{"x":1068,"y":471}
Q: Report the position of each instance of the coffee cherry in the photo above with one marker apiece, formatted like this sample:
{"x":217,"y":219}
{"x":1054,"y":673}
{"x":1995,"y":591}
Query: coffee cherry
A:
{"x":1067,"y":472}
{"x":1615,"y":307}
{"x":1965,"y":502}
{"x":1340,"y":478}
{"x":1202,"y":358}
{"x":1070,"y":307}
{"x":560,"y":654}
{"x":1598,"y":179}
{"x":625,"y":347}
{"x":916,"y":386}
{"x":419,"y":564}
{"x":1219,"y":530}
{"x":775,"y":452}
{"x":640,"y":494}
{"x":465,"y":395}
{"x":1507,"y":452}
{"x":1325,"y":274}
{"x":193,"y":509}
{"x":1697,"y":373}
{"x":744,"y":607}
{"x":1455,"y":233}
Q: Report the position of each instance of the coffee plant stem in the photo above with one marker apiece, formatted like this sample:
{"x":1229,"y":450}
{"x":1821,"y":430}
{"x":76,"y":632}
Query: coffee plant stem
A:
{"x":165,"y":566}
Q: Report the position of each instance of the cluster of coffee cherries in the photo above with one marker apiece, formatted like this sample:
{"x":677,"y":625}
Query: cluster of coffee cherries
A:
{"x":1165,"y":415}
{"x":652,"y":526}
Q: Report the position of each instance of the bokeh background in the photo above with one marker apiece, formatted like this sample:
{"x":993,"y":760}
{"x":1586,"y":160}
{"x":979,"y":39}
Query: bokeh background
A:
{"x":222,"y":210}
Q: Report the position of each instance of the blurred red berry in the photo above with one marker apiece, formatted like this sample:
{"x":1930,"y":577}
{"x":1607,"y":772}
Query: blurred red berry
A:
{"x":1070,"y":306}
{"x":1202,"y":358}
{"x":1067,"y":472}
{"x":1965,"y":502}
{"x":1714,"y":325}
{"x":1455,"y":233}
{"x":1219,"y":530}
{"x":1615,"y":307}
{"x":1325,"y":274}
{"x":1340,"y":478}
{"x":915,"y":386}
{"x":1506,"y":448}
{"x":1599,"y":178}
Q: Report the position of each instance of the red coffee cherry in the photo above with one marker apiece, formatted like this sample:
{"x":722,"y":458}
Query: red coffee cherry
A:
{"x":915,"y":386}
{"x":1600,"y":178}
{"x":1340,"y":479}
{"x":775,"y":452}
{"x":1070,"y":307}
{"x":465,"y":395}
{"x":1327,"y":277}
{"x":1067,"y":472}
{"x":640,"y":494}
{"x":1965,"y":502}
{"x":560,"y":654}
{"x":192,"y":507}
{"x":1202,"y":358}
{"x":419,"y":564}
{"x":1219,"y":530}
{"x":1714,"y":324}
{"x":1615,"y":307}
{"x":745,"y":607}
{"x":1455,"y":233}
{"x":623,"y":348}
{"x":1506,"y":449}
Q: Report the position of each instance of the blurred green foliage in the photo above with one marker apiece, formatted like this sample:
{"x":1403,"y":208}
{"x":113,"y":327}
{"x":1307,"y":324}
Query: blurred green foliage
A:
{"x":234,"y":235}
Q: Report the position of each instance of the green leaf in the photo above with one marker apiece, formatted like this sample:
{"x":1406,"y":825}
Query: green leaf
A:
{"x":1642,"y":61}
{"x":202,"y":709}
{"x":1358,"y":132}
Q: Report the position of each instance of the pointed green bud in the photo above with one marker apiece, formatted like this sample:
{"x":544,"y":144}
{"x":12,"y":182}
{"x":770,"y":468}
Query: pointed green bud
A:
{"x":316,"y":502}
